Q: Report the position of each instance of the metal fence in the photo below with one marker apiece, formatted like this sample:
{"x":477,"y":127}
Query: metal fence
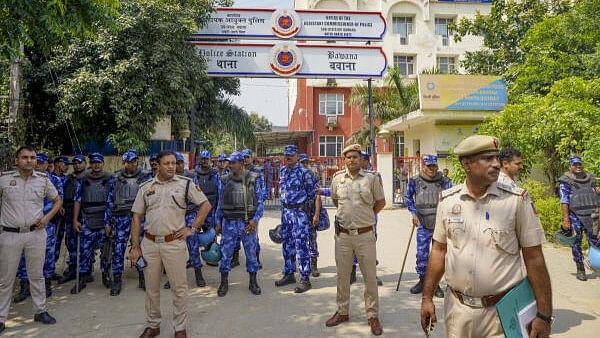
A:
{"x":404,"y":167}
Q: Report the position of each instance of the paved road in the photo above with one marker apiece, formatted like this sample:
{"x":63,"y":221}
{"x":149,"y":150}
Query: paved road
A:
{"x":278,"y":312}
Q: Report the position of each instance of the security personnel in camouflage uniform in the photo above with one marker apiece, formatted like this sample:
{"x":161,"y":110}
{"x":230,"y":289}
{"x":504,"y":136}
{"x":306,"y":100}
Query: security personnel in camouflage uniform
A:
{"x":91,"y":194}
{"x":222,"y":164}
{"x":313,"y":248}
{"x":61,"y":167}
{"x":117,"y":214}
{"x":579,"y":199}
{"x":208,"y":180}
{"x":241,"y":205}
{"x":79,"y":169}
{"x":298,"y":187}
{"x":49,"y":263}
{"x":421,"y":198}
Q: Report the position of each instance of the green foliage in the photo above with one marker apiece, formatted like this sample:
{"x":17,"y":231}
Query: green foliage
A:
{"x":260,"y":123}
{"x":457,"y":174}
{"x":45,"y":23}
{"x":547,"y":206}
{"x":502,"y":29}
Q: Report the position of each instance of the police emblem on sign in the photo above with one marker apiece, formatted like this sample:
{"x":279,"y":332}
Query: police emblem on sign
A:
{"x":286,"y":23}
{"x":286,"y":59}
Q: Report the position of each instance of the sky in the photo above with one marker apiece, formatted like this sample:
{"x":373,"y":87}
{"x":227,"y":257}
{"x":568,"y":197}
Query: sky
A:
{"x":268,"y":97}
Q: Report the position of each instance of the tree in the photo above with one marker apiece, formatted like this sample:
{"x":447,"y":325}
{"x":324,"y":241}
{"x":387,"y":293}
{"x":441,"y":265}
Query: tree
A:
{"x":502,"y":30}
{"x":260,"y":123}
{"x":397,"y":97}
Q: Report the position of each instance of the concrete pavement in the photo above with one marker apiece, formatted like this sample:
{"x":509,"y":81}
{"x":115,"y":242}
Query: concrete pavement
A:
{"x":278,"y":312}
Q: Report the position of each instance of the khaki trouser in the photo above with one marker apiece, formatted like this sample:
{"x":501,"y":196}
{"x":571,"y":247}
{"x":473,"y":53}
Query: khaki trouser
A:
{"x":12,"y":246}
{"x":463,"y":321}
{"x":363,"y":246}
{"x":172,"y":257}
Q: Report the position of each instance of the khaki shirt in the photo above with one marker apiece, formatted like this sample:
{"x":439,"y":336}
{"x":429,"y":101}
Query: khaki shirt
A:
{"x":22,"y":198}
{"x":164,"y":203}
{"x":356,"y":197}
{"x":484,"y":237}
{"x":503,"y":178}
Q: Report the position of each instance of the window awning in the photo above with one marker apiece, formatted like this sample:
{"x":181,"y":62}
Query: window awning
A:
{"x":281,"y":138}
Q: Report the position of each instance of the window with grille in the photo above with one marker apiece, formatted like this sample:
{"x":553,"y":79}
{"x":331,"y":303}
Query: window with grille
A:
{"x":331,"y":145}
{"x":331,"y":104}
{"x":441,"y":29}
{"x":403,"y":26}
{"x":399,"y":151}
{"x":446,"y":64}
{"x":405,"y":64}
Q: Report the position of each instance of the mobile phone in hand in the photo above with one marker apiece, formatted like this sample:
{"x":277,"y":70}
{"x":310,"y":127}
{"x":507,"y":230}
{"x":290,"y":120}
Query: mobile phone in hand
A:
{"x":141,"y":263}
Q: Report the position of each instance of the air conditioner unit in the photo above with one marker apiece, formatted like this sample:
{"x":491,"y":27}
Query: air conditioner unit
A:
{"x":331,"y":122}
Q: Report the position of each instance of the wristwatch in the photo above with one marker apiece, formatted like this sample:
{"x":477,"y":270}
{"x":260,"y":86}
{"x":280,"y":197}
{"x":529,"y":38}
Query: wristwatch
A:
{"x":547,"y":319}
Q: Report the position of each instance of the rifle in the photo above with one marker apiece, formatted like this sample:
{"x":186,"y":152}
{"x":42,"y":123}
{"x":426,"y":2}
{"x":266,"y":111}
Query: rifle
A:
{"x":107,"y":253}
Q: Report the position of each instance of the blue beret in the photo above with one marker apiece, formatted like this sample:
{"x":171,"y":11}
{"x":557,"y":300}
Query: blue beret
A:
{"x":41,"y":157}
{"x":62,"y":158}
{"x":247,"y":152}
{"x":236,"y":156}
{"x":96,"y":157}
{"x":130,"y":155}
{"x":303,"y":157}
{"x":179,"y":157}
{"x":222,"y":157}
{"x":153,"y":157}
{"x":430,"y":160}
{"x":365,"y":155}
{"x":575,"y":160}
{"x":205,"y":154}
{"x":79,"y":158}
{"x":290,"y":150}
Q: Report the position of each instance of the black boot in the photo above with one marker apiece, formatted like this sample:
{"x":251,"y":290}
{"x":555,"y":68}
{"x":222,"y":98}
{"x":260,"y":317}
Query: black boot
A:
{"x":379,"y":281}
{"x":439,"y":293}
{"x":581,"y":272}
{"x":48,"y":282}
{"x":286,"y":279}
{"x":314,"y":270}
{"x":56,"y":277}
{"x":167,"y":285}
{"x":418,"y":288}
{"x":235,"y":259}
{"x":224,"y":287}
{"x":78,"y":287}
{"x":353,"y":275}
{"x":141,"y":281}
{"x":253,"y":285}
{"x":258,"y":259}
{"x":23,"y":292}
{"x":200,"y":282}
{"x":106,"y":280}
{"x":67,"y":276}
{"x":303,"y":286}
{"x":115,"y":288}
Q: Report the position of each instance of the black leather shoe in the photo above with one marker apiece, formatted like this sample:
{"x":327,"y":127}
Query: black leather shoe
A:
{"x":167,"y":285}
{"x":77,"y":288}
{"x":418,"y":288}
{"x":581,"y":272}
{"x":115,"y":288}
{"x":314,"y":270}
{"x":224,"y":287}
{"x":67,"y":277}
{"x":303,"y":286}
{"x":286,"y":279}
{"x":44,"y":317}
{"x":439,"y":293}
{"x":106,"y":280}
{"x":23,"y":292}
{"x":379,"y":281}
{"x":253,"y":285}
{"x":353,"y":275}
{"x":200,"y":282}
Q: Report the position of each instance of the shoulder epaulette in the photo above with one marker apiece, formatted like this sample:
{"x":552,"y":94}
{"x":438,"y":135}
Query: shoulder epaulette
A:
{"x":10,"y":172}
{"x":145,"y":182}
{"x":343,"y":171}
{"x":451,"y":191}
{"x":43,"y":174}
{"x":184,"y":177}
{"x":512,"y":189}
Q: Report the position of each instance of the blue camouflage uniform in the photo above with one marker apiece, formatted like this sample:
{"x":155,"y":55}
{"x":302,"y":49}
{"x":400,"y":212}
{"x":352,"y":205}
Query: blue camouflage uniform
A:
{"x":268,"y":168}
{"x":206,"y":181}
{"x":233,"y":230}
{"x":60,"y":220}
{"x":92,"y":238}
{"x":313,"y":248}
{"x":70,"y":234}
{"x":49,"y":263}
{"x":297,"y":187}
{"x":120,"y":220}
{"x":565,"y":193}
{"x":424,"y":234}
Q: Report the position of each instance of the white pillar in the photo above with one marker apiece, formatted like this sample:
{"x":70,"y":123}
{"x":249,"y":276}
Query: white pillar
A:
{"x":385,"y":167}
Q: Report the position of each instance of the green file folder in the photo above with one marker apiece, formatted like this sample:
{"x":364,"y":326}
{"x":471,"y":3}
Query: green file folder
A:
{"x":512,"y":305}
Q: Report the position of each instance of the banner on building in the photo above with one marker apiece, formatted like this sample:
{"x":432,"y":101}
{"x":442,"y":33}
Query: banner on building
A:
{"x":264,"y":23}
{"x":288,"y":59}
{"x":462,"y":92}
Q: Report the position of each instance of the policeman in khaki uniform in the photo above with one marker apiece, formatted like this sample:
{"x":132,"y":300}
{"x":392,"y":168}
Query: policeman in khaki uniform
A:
{"x":163,"y":200}
{"x":358,"y":195}
{"x":482,"y":228}
{"x":22,"y":194}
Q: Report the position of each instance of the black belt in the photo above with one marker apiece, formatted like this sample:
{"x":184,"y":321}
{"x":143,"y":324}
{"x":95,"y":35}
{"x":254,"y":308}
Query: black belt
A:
{"x":18,"y":230}
{"x":293,"y":206}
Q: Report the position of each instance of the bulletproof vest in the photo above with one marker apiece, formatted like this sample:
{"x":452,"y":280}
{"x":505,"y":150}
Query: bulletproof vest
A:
{"x":233,"y":196}
{"x":93,"y":199}
{"x":427,"y":197}
{"x":126,"y":188}
{"x":584,"y":200}
{"x":69,"y":190}
{"x":207,"y":182}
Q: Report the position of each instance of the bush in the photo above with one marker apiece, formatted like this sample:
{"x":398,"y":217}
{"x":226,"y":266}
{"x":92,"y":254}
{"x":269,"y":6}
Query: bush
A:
{"x":547,"y":206}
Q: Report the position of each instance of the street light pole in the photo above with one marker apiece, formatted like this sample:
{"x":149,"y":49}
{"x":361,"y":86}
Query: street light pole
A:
{"x":371,"y":123}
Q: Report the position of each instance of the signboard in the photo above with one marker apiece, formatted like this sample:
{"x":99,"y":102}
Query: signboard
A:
{"x":462,"y":92}
{"x":288,"y":59}
{"x":258,"y":23}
